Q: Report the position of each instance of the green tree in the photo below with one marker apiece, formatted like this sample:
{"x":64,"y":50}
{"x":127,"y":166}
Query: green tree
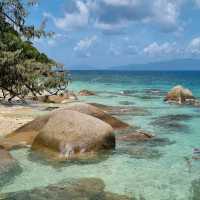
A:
{"x":23,"y":69}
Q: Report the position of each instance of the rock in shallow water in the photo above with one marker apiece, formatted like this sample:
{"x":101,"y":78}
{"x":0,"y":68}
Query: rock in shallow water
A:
{"x":72,"y":135}
{"x":126,"y":103}
{"x":60,"y":98}
{"x":86,"y":93}
{"x":122,"y":110}
{"x":80,"y":189}
{"x":63,"y":134}
{"x":195,"y":190}
{"x":134,"y":136}
{"x":144,"y":153}
{"x":96,"y":112}
{"x":24,"y":136}
{"x":180,"y":95}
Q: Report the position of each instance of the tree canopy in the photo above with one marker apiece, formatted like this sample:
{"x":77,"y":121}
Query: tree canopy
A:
{"x":23,"y":69}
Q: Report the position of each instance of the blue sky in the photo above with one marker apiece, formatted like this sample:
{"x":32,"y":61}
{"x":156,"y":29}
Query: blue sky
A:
{"x":103,"y":33}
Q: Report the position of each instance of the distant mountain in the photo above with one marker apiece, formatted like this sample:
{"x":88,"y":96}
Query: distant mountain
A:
{"x":178,"y":64}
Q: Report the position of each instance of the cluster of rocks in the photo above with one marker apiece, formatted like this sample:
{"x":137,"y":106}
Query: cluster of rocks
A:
{"x":76,"y":131}
{"x":63,"y":97}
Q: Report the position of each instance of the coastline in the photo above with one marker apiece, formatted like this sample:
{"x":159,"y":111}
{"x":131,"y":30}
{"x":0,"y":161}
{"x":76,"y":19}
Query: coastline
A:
{"x":135,"y":168}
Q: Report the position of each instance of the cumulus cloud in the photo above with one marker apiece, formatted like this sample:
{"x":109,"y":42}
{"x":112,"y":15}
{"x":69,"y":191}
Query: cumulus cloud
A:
{"x":76,"y":19}
{"x":166,"y":14}
{"x":194,"y":46}
{"x":113,"y":15}
{"x":164,"y":49}
{"x":83,"y":47}
{"x":131,"y":50}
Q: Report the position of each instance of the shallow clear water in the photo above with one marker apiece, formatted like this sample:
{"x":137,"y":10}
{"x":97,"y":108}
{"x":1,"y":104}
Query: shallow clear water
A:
{"x":160,"y":171}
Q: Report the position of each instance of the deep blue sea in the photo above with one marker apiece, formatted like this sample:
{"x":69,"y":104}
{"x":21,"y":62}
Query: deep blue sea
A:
{"x":162,"y":169}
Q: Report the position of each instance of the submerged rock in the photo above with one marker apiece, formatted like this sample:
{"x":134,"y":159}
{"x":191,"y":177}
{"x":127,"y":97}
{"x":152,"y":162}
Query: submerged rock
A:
{"x":73,"y":135}
{"x":159,"y":142}
{"x":98,"y":113}
{"x":172,"y":122}
{"x":122,"y":110}
{"x":144,"y":153}
{"x":8,"y":166}
{"x":126,"y":103}
{"x":80,"y":189}
{"x":135,"y":136}
{"x":86,"y":93}
{"x":195,"y":190}
{"x":180,"y":95}
{"x":156,"y":92}
{"x":128,"y":92}
{"x":152,"y":142}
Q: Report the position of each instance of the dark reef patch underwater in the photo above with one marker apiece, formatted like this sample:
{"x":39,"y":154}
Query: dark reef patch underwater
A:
{"x":81,"y":189}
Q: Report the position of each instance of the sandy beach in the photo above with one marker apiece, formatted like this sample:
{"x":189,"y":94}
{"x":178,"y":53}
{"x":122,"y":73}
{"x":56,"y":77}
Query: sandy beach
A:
{"x":13,"y":116}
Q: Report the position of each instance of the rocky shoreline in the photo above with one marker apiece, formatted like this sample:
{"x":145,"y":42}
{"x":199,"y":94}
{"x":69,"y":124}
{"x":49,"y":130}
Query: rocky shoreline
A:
{"x":62,"y":128}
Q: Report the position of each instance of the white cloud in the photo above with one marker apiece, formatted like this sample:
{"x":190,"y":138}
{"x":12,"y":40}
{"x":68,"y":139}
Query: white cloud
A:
{"x":113,"y":14}
{"x":72,"y":20}
{"x":108,"y":15}
{"x":114,"y":50}
{"x":164,"y":49}
{"x":166,"y":14}
{"x":55,"y":39}
{"x":108,"y":28}
{"x":194,"y":46}
{"x":83,"y":46}
{"x":121,"y":2}
{"x":197,"y":2}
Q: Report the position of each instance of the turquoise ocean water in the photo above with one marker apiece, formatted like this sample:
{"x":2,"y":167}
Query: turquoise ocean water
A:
{"x":162,"y":169}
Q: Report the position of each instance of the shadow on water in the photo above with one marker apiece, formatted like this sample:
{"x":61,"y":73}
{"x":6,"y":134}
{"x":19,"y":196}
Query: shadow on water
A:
{"x":74,"y":189}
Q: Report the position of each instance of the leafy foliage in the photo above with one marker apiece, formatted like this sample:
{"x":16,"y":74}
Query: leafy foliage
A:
{"x":23,"y":69}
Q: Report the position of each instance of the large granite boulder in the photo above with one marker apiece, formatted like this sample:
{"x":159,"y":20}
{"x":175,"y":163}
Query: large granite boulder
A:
{"x":98,"y":113}
{"x":25,"y":135}
{"x":180,"y":95}
{"x":73,"y":135}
